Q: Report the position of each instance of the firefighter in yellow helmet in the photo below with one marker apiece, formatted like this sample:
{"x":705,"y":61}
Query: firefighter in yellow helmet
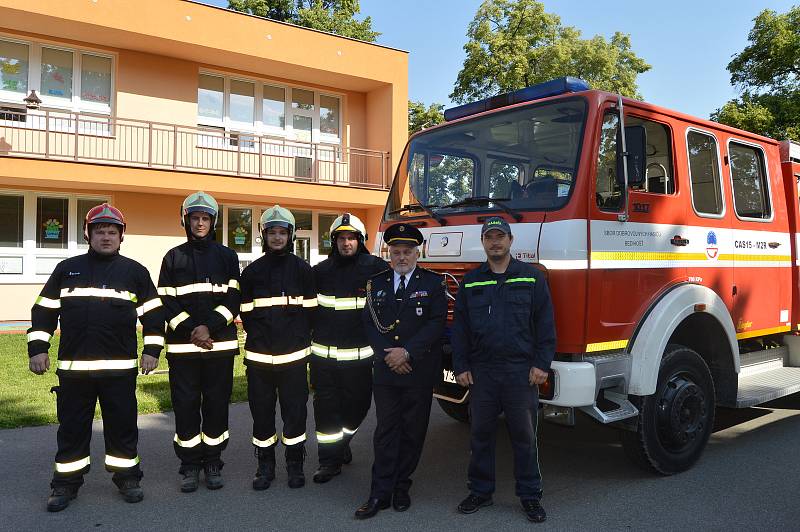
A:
{"x":199,"y":285}
{"x":278,"y":299}
{"x":97,"y":297}
{"x":341,"y":362}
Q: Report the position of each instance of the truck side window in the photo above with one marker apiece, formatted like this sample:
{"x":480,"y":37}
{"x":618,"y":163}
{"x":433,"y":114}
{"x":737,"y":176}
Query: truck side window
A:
{"x":704,"y":173}
{"x":608,"y":192}
{"x":749,"y":178}
{"x":660,"y":179}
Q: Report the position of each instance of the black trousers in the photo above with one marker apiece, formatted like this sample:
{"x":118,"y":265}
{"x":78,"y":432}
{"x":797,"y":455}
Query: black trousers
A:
{"x":201,"y":392}
{"x":342,"y":397}
{"x":402,"y":422}
{"x":494,"y":392}
{"x":265,"y":388}
{"x":76,"y":399}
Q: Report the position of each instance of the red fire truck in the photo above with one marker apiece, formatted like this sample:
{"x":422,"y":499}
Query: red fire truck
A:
{"x":670,"y":244}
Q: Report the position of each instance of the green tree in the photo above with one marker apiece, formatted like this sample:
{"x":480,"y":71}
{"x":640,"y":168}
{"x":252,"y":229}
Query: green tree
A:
{"x":515,"y":43}
{"x":767,"y":74}
{"x":421,"y":117}
{"x":333,"y":16}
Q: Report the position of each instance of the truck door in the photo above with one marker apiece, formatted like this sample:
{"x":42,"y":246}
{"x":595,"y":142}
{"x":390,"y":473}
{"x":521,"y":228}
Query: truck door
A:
{"x":761,"y":244}
{"x":632,"y":261}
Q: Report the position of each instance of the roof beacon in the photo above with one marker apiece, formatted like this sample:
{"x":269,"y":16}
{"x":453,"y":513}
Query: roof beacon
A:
{"x":553,"y":87}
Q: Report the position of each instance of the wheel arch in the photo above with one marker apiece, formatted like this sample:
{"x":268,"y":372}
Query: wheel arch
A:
{"x":673,"y":319}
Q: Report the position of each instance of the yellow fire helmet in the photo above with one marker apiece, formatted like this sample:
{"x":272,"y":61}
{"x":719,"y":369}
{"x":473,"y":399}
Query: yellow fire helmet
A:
{"x":199,"y":202}
{"x":277,"y":216}
{"x":348,"y":222}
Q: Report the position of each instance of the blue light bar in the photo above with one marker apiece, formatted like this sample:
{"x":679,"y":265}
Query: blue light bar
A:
{"x":553,"y":87}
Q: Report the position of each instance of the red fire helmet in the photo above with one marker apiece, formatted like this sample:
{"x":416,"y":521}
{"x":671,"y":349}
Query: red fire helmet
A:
{"x":103,"y":214}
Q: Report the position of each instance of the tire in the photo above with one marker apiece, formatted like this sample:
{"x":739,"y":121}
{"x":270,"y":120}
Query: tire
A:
{"x":457,"y":411}
{"x":674,"y":423}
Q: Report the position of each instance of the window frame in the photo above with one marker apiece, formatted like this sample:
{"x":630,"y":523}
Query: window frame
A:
{"x":73,"y":104}
{"x":767,"y":176}
{"x":720,"y":178}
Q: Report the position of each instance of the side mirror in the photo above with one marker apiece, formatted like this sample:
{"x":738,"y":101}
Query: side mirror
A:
{"x":636,"y":144}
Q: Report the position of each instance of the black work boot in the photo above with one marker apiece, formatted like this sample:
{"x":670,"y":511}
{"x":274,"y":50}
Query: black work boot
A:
{"x":326,"y":472}
{"x":295,"y":455}
{"x":130,"y":489}
{"x":533,"y":510}
{"x":265,"y":473}
{"x":60,"y":496}
{"x":213,"y":473}
{"x":190,"y":480}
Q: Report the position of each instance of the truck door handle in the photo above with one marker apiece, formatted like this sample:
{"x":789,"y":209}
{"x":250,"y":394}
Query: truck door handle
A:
{"x":773,"y":245}
{"x":677,"y":240}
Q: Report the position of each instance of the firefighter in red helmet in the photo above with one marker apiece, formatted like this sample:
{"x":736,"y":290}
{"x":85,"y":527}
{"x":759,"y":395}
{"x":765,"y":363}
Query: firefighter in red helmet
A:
{"x":98,"y":297}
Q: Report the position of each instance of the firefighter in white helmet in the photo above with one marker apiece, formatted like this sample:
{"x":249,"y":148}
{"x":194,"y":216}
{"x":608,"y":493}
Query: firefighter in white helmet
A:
{"x":341,"y":362}
{"x":97,"y":297}
{"x":278,"y":299}
{"x":199,"y":285}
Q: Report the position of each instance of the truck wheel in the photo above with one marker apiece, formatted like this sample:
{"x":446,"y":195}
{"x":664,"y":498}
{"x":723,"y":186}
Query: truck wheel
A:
{"x":674,"y":423}
{"x":457,"y":411}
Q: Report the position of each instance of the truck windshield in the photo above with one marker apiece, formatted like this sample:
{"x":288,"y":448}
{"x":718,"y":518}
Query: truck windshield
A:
{"x":524,"y":159}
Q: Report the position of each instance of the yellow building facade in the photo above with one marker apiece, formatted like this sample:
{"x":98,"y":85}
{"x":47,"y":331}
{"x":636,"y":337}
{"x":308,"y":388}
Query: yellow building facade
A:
{"x":140,"y":103}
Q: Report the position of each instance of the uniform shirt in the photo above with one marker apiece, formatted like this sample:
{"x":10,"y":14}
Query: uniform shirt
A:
{"x":199,"y":285}
{"x":416,"y":323}
{"x":407,"y":276}
{"x":98,"y":299}
{"x":341,"y":295}
{"x":503,"y":321}
{"x":278,"y":300}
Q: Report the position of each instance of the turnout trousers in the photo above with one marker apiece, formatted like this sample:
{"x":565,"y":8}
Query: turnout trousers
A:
{"x":201,"y":393}
{"x":402,"y":421}
{"x":494,"y":392}
{"x":76,"y":398}
{"x":267,"y":387}
{"x":342,"y":397}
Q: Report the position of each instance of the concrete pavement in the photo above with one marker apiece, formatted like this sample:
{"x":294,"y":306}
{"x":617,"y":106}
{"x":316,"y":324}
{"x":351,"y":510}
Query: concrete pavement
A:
{"x":747,"y":479}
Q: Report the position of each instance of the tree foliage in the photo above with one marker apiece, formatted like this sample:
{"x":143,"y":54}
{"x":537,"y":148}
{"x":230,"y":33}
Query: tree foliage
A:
{"x":767,"y":74}
{"x":515,"y":43}
{"x":421,"y":117}
{"x":333,"y":16}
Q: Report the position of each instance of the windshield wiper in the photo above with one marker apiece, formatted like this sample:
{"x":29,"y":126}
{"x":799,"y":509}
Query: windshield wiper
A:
{"x":420,"y":207}
{"x":485,"y":200}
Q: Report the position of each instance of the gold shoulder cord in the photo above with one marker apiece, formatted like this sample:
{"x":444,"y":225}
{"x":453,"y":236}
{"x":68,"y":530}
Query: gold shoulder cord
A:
{"x":378,"y":325}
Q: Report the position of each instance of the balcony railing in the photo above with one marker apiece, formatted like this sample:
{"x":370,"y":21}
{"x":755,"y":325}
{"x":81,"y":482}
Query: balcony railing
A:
{"x":45,"y":134}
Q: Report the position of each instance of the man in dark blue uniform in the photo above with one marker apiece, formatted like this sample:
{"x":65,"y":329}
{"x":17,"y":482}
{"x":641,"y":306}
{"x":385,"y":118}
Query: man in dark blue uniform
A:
{"x":404,"y":319}
{"x":503,"y":343}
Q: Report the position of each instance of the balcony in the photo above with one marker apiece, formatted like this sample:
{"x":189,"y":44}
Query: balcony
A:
{"x":87,"y":138}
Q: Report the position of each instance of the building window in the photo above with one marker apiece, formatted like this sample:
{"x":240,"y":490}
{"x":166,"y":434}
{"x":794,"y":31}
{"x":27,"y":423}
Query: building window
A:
{"x":302,"y":99}
{"x":274,"y":107}
{"x":209,"y":97}
{"x":242,"y":101}
{"x":329,"y":115}
{"x":240,"y":230}
{"x":95,"y":78}
{"x":302,"y":220}
{"x":84,"y":205}
{"x":52,"y":223}
{"x":12,"y":213}
{"x":248,"y":105}
{"x":14,"y":67}
{"x":56,"y":73}
{"x":324,"y":231}
{"x":65,"y":78}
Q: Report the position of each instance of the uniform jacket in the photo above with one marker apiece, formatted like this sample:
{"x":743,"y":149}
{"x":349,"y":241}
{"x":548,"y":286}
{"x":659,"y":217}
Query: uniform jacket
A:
{"x":199,"y":285}
{"x":341,"y":295}
{"x":98,"y":299}
{"x":417,"y":323}
{"x":505,"y":325}
{"x":278,"y":300}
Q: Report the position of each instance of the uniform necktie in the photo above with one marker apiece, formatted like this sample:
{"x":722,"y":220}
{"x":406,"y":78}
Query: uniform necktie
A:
{"x":401,"y":289}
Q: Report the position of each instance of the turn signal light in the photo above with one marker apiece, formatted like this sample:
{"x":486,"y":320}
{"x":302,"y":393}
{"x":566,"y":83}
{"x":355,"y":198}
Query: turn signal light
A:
{"x":548,"y":389}
{"x":700,"y":307}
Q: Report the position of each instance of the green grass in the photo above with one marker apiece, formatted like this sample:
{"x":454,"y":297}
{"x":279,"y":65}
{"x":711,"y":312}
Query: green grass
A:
{"x":25,"y":398}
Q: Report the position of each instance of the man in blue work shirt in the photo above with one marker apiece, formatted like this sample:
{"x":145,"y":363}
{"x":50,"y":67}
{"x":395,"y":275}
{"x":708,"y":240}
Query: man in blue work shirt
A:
{"x":503,"y":342}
